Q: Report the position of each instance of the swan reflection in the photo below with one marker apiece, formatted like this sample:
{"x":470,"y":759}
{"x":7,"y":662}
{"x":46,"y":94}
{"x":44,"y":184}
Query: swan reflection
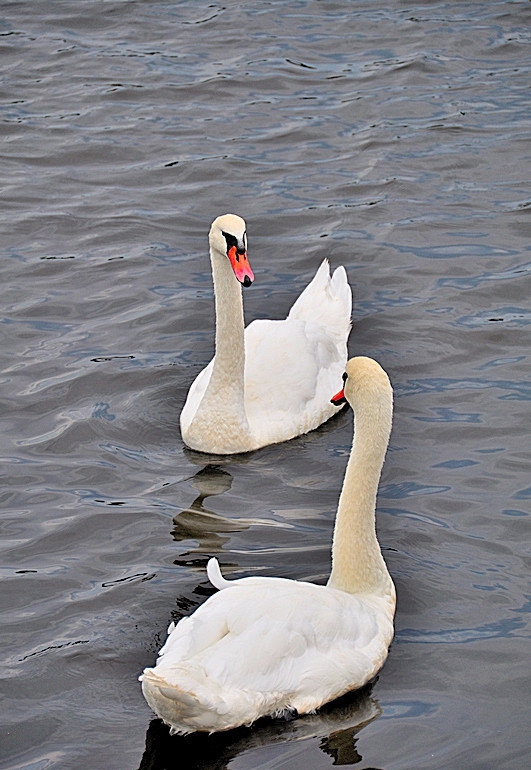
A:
{"x":334,"y":726}
{"x":198,"y":523}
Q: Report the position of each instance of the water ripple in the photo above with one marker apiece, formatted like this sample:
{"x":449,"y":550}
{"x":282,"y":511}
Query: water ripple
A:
{"x":505,"y":628}
{"x":512,"y":389}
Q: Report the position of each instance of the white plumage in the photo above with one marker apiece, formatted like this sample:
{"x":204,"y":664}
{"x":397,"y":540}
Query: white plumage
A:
{"x":272,"y":381}
{"x":262,"y":645}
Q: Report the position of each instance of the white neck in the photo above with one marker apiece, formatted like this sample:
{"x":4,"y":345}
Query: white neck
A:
{"x":357,"y":562}
{"x":222,"y":409}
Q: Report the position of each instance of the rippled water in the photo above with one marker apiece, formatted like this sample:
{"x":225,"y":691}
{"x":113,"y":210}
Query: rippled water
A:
{"x":389,"y":137}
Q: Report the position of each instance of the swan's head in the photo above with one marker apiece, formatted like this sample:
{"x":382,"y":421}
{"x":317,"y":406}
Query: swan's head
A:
{"x":364,"y":381}
{"x":228,"y":236}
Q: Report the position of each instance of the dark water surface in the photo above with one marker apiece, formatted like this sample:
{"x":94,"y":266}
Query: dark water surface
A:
{"x":389,"y":137}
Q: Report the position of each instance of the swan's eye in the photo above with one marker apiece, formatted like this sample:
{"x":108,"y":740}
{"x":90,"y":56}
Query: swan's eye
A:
{"x":345,"y":376}
{"x":230,"y":239}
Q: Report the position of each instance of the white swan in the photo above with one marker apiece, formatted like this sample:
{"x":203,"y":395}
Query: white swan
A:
{"x":271,"y":381}
{"x":261,"y":645}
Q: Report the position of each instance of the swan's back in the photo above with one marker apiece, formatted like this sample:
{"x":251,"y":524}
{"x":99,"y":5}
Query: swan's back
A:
{"x":264,"y":645}
{"x":292,"y":366}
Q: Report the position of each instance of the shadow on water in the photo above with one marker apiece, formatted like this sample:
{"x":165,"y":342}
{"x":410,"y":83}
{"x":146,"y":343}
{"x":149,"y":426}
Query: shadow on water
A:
{"x":197,"y":522}
{"x":334,"y":726}
{"x":206,"y":530}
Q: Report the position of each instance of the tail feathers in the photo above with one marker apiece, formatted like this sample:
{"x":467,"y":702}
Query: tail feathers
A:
{"x":197,"y":703}
{"x":340,"y":287}
{"x":326,"y":300}
{"x":179,"y":709}
{"x":215,"y":576}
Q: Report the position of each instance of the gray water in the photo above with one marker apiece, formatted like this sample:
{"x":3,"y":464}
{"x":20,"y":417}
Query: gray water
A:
{"x":388,"y":137}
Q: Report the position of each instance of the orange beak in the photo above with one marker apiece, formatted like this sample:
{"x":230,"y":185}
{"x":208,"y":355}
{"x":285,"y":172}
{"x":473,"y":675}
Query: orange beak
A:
{"x":339,"y":398}
{"x":240,"y":265}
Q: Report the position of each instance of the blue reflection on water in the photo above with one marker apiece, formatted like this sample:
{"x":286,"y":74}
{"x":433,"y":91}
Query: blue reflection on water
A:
{"x":456,"y":464}
{"x":102,"y":410}
{"x":504,"y":628}
{"x":522,"y":494}
{"x":407,"y":708}
{"x":455,"y":250}
{"x":500,"y":362}
{"x":512,"y":316}
{"x":408,"y":489}
{"x":450,"y":415}
{"x":520,"y":390}
{"x":414,"y":516}
{"x":474,"y":281}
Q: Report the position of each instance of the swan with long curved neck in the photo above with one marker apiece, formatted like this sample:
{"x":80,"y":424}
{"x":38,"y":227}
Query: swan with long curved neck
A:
{"x":271,"y":381}
{"x":262,"y":646}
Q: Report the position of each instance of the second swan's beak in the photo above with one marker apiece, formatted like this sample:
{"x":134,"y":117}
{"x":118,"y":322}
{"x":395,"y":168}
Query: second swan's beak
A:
{"x":240,"y":265}
{"x":339,"y":398}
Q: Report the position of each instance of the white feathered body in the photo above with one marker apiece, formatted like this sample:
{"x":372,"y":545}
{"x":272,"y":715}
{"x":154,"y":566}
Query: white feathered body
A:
{"x":263,"y":645}
{"x":292,"y":366}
